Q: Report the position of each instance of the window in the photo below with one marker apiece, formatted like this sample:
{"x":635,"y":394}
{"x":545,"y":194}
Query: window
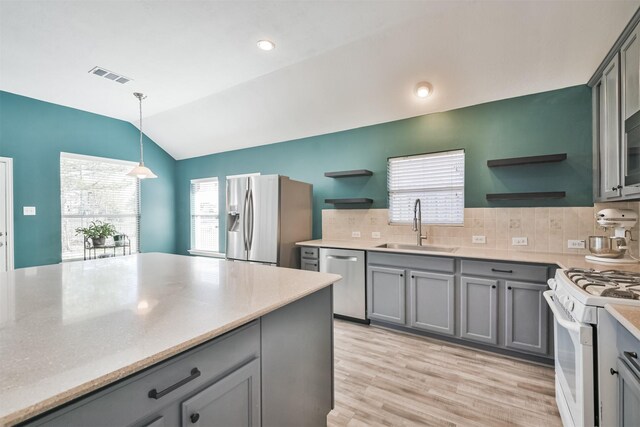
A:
{"x":437,"y":179}
{"x":204,"y":215}
{"x":96,"y":188}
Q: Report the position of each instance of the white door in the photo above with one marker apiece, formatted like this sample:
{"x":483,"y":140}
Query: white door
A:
{"x":4,"y":261}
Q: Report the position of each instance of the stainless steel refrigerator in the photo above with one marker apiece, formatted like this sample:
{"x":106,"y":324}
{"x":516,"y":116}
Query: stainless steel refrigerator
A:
{"x":266,"y":216}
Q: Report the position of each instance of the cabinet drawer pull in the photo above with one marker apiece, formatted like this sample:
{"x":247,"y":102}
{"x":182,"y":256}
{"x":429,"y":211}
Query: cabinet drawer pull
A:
{"x":632,"y":357}
{"x":308,"y":253}
{"x":155,"y":394}
{"x":497,"y":270}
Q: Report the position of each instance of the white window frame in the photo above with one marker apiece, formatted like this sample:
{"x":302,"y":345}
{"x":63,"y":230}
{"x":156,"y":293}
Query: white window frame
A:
{"x":197,"y":251}
{"x":128,"y":163}
{"x":430,"y":189}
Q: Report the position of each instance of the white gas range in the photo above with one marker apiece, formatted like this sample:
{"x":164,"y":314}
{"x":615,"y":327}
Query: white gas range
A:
{"x":584,"y":341}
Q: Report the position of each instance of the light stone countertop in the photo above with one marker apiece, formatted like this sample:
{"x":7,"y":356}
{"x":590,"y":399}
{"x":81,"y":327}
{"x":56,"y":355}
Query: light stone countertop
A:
{"x":628,"y":316}
{"x":561,"y":260}
{"x":69,"y":329}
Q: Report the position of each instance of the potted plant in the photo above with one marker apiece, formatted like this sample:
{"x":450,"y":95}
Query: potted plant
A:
{"x":97,"y":231}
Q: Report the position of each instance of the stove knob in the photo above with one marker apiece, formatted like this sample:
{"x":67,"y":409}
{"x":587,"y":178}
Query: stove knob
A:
{"x":552,"y":284}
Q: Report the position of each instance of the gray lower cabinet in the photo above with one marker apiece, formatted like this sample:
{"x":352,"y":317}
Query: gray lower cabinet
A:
{"x":526,"y":314}
{"x":432,"y":299}
{"x":233,"y":401}
{"x":386,"y":294}
{"x":628,"y":396}
{"x":479,"y":309}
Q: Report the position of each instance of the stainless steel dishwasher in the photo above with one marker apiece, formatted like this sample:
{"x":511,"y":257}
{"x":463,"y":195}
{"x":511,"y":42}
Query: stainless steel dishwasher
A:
{"x":349,"y":298}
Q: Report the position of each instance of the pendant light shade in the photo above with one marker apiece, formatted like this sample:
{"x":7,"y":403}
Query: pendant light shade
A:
{"x":141,"y":171}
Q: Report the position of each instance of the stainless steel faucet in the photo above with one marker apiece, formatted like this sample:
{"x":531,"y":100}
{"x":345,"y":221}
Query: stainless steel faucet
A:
{"x":417,"y":221}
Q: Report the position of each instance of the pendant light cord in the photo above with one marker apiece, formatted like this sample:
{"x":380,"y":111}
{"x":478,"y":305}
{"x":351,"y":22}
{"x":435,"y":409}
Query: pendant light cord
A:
{"x":140,"y":97}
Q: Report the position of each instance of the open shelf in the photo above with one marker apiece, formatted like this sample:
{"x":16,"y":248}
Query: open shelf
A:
{"x":515,"y":161}
{"x":348,"y":174}
{"x":351,"y":201}
{"x":526,"y":196}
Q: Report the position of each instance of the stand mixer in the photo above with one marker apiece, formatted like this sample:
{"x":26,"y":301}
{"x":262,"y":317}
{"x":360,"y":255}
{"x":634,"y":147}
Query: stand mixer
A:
{"x":613,"y":250}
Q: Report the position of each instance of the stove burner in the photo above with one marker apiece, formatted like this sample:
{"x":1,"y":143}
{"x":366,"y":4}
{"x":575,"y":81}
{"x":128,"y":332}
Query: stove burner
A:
{"x":607,"y":283}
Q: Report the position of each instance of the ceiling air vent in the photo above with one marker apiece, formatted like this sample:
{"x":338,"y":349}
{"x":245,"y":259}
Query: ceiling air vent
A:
{"x":103,"y":72}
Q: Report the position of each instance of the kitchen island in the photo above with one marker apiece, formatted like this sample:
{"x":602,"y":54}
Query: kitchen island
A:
{"x":145,"y":339}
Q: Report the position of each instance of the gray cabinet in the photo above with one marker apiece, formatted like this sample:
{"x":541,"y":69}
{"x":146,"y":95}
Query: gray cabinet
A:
{"x":479,"y":309}
{"x":386,"y":294}
{"x":526,"y":315}
{"x":628,"y":396}
{"x":309,"y":259}
{"x":630,"y":68}
{"x":432,"y":302}
{"x":233,"y":401}
{"x":606,"y":95}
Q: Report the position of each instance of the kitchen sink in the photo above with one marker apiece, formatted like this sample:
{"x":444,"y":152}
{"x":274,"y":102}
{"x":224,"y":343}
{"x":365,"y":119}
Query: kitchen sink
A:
{"x":425,"y":248}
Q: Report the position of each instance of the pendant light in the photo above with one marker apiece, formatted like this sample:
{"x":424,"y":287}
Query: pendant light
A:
{"x":141,"y":171}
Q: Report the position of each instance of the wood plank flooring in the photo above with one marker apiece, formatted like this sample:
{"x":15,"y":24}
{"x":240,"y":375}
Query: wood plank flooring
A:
{"x":389,"y":378}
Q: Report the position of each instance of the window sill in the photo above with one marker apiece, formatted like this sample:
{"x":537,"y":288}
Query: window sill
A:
{"x":210,"y":254}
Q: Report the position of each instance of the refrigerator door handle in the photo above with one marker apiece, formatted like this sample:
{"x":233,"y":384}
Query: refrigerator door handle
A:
{"x":245,"y":215}
{"x":251,"y":219}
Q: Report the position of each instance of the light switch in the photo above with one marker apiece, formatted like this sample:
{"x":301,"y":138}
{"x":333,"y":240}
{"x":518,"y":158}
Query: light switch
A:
{"x":28,"y":210}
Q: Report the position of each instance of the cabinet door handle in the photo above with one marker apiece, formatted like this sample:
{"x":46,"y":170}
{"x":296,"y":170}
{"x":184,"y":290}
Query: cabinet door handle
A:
{"x":497,"y":270}
{"x":194,"y":417}
{"x":619,"y":187}
{"x":493,"y":286}
{"x":155,"y":394}
{"x":613,"y":371}
{"x":632,"y":357}
{"x":509,"y":287}
{"x":401,"y":275}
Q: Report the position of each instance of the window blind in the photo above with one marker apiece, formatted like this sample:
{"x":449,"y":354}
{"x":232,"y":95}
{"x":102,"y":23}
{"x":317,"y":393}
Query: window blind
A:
{"x":437,"y":179}
{"x":204,"y":214}
{"x":95,"y":188}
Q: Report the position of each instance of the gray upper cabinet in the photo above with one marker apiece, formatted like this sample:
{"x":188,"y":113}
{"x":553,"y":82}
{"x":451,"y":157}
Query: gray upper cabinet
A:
{"x":606,"y":95}
{"x":232,"y":401}
{"x":386,"y":294}
{"x":526,"y":317}
{"x":432,"y":299}
{"x":630,"y":67}
{"x":479,"y":309}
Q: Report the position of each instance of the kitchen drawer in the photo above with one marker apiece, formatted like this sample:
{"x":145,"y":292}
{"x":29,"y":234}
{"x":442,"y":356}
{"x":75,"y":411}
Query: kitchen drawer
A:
{"x":128,"y":402}
{"x":309,"y":252}
{"x":528,"y":272}
{"x":409,"y":261}
{"x":309,"y":264}
{"x":626,"y":342}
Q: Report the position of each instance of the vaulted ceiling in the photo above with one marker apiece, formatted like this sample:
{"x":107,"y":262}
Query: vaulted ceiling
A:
{"x":337,"y":64}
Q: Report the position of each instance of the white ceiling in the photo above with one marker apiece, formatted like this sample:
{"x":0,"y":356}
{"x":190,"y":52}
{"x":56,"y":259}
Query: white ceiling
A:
{"x":337,"y":64}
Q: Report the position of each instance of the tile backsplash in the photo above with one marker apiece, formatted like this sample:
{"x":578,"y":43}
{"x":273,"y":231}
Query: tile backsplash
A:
{"x":546,"y":229}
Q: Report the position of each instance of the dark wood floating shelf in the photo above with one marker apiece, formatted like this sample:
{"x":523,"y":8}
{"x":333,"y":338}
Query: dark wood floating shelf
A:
{"x":348,"y":174}
{"x":348,"y":201}
{"x":548,"y":158}
{"x":527,"y":196}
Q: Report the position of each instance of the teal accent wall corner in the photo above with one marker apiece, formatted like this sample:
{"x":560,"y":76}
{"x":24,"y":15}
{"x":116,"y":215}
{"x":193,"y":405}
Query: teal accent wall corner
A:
{"x":552,"y":122}
{"x":34,"y":132}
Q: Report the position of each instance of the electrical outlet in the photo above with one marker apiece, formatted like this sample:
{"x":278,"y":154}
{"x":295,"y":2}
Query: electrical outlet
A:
{"x":29,"y":210}
{"x":355,"y":234}
{"x":575,"y":244}
{"x":375,"y":234}
{"x":519,"y":241}
{"x":479,"y":239}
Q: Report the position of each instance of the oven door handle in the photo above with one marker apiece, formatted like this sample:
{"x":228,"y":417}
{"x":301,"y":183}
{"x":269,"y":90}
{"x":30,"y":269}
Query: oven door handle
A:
{"x":585,"y":333}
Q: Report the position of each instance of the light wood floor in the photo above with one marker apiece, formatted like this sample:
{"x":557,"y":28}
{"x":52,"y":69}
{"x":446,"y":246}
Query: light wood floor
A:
{"x":391,"y":378}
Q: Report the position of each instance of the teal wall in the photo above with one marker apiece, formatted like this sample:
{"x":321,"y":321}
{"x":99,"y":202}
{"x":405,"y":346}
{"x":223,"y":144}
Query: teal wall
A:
{"x":552,"y":122}
{"x":34,"y":133}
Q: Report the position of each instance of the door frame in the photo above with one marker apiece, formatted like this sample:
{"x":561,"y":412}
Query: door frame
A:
{"x":9,"y":214}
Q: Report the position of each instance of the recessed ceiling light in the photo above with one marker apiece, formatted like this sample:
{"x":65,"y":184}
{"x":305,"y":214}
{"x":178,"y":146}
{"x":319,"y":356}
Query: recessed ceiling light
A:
{"x":266,"y":44}
{"x":423,"y":89}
